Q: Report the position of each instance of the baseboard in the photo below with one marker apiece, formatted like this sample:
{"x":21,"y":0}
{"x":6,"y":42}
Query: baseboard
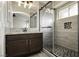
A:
{"x":48,"y":53}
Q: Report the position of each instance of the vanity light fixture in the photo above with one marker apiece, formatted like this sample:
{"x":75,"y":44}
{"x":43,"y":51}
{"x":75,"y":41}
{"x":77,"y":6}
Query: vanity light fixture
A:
{"x":26,"y":3}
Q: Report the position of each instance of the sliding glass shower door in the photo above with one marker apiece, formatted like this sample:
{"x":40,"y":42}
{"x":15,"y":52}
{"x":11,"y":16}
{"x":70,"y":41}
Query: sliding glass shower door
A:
{"x":46,"y":20}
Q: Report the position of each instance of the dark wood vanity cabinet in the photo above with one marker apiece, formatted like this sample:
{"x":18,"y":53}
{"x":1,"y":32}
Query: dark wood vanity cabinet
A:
{"x":17,"y":47}
{"x":35,"y":44}
{"x":23,"y":44}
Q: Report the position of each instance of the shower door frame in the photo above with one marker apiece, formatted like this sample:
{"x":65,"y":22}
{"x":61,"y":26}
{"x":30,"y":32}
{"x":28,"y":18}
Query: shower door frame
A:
{"x":53,"y":24}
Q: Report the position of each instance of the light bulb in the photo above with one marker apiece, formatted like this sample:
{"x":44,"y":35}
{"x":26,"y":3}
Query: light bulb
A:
{"x":30,"y":5}
{"x":19,"y":3}
{"x":25,"y":4}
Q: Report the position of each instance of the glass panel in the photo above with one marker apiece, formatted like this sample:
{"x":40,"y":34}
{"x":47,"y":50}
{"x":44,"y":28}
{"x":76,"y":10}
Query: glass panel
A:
{"x":63,"y":13}
{"x":46,"y":27}
{"x":74,"y":10}
{"x":33,"y":21}
{"x":66,"y":33}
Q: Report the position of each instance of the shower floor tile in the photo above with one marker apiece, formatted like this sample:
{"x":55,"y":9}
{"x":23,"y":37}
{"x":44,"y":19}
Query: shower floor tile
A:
{"x":64,"y":52}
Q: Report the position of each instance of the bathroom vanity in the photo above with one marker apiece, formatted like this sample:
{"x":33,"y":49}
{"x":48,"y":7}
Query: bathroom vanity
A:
{"x":19,"y":44}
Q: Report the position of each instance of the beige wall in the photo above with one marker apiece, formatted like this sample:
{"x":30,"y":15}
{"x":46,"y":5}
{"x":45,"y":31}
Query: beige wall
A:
{"x":67,"y":37}
{"x":3,"y":17}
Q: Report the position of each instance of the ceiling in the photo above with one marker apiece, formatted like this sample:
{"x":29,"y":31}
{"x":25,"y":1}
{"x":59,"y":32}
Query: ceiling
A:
{"x":35,"y":6}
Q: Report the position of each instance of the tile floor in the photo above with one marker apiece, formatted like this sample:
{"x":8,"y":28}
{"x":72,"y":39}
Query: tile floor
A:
{"x":40,"y":54}
{"x":59,"y":51}
{"x":64,"y":52}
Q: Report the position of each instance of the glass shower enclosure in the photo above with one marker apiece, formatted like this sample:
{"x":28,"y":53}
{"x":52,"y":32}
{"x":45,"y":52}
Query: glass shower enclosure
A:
{"x":60,"y":37}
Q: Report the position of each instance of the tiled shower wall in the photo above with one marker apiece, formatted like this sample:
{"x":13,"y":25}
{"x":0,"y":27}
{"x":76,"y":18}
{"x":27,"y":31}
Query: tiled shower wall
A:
{"x":67,"y":37}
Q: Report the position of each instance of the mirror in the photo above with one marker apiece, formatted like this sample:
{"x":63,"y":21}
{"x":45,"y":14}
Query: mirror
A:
{"x":20,"y":22}
{"x":33,"y":21}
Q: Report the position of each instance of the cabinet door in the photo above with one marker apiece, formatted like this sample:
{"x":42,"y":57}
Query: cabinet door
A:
{"x":36,"y":44}
{"x":17,"y":47}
